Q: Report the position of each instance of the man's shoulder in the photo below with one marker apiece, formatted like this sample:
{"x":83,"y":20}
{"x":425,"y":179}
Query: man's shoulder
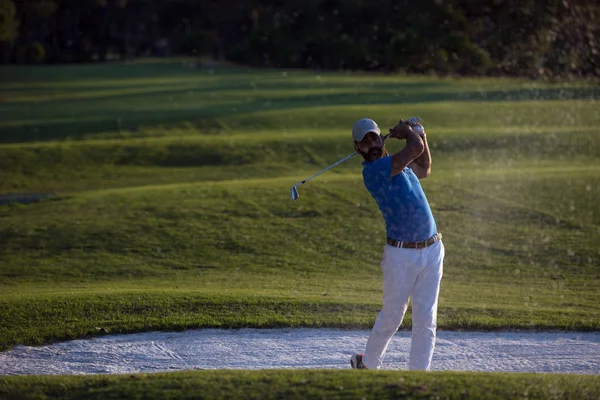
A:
{"x":379,"y":168}
{"x":375,"y":173}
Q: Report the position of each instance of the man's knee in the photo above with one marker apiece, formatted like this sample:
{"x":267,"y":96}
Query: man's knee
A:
{"x":427,"y":331}
{"x":424,"y":323}
{"x":390,"y":321}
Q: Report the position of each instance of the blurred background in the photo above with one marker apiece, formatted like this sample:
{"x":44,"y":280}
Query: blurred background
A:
{"x":500,"y":37}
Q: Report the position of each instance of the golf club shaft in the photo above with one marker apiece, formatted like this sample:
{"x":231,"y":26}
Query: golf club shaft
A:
{"x":331,"y":166}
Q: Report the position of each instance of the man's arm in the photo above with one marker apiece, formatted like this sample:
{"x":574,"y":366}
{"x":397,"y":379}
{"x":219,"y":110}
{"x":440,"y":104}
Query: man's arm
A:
{"x":413,"y":149}
{"x":421,"y":166}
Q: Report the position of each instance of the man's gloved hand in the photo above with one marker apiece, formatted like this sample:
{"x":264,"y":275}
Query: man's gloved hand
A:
{"x":413,"y":121}
{"x":415,"y":124}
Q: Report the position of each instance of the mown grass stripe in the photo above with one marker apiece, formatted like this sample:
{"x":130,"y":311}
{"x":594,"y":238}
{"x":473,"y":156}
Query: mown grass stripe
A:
{"x":305,"y":384}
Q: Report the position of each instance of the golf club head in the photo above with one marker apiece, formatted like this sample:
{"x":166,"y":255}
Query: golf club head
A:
{"x":294,"y":193}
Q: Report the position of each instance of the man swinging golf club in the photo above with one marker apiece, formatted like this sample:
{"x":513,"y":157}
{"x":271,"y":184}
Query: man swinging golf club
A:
{"x":413,"y":256}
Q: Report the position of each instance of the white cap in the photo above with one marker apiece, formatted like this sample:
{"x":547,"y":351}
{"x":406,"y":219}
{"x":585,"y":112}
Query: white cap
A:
{"x":362,"y":127}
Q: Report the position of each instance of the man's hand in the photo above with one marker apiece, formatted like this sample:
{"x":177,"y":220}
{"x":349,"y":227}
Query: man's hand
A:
{"x":413,"y":149}
{"x":400,"y":131}
{"x":420,"y":129}
{"x":415,"y":123}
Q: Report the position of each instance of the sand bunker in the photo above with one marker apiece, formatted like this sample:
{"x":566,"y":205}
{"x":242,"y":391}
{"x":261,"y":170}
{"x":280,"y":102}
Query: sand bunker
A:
{"x":302,"y":348}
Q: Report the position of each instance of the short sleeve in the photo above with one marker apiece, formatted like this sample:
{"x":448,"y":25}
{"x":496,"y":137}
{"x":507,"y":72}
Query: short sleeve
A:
{"x":377,"y":172}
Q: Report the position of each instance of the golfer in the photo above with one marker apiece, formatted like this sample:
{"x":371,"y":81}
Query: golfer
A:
{"x":414,"y":253}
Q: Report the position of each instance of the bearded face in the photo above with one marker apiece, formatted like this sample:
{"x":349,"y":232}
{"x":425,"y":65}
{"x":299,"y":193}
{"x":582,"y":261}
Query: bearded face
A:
{"x":370,"y":147}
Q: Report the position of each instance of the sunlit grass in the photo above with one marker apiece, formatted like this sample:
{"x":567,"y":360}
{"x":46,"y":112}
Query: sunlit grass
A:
{"x":270,"y":384}
{"x":72,"y":102}
{"x":513,"y":260}
{"x":172,"y":184}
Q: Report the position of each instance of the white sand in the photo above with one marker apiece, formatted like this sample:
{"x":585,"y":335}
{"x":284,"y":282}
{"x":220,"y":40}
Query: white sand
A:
{"x":302,"y":348}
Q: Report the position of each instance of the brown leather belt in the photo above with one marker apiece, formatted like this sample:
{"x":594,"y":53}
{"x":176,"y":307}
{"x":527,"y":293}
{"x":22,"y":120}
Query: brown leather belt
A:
{"x":415,"y":245}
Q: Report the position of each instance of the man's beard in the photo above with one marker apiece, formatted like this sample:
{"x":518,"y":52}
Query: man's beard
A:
{"x":373,"y":154}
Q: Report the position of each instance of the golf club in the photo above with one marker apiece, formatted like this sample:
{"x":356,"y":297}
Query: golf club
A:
{"x":411,"y":121}
{"x":295,"y":190}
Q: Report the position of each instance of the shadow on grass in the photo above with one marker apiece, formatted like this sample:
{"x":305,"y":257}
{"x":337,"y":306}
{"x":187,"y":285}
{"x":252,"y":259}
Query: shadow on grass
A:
{"x":23,"y":198}
{"x":95,"y":119}
{"x":321,"y":151}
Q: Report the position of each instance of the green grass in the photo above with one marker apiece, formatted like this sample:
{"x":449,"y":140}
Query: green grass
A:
{"x":171,"y":209}
{"x":89,"y":101}
{"x":305,"y":384}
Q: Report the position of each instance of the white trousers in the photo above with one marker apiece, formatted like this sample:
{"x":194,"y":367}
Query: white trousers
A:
{"x":406,"y":273}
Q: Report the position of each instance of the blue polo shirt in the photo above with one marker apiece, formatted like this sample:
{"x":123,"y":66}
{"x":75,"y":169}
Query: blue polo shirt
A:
{"x":401,"y":199}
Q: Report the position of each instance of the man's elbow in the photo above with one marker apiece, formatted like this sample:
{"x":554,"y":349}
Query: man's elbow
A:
{"x":422,"y":173}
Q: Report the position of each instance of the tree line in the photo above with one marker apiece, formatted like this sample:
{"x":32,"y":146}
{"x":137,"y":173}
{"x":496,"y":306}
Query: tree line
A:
{"x":501,"y":37}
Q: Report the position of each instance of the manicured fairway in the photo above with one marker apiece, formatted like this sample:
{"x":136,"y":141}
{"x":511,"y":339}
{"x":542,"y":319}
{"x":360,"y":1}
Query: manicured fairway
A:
{"x":305,"y":384}
{"x":170,"y":202}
